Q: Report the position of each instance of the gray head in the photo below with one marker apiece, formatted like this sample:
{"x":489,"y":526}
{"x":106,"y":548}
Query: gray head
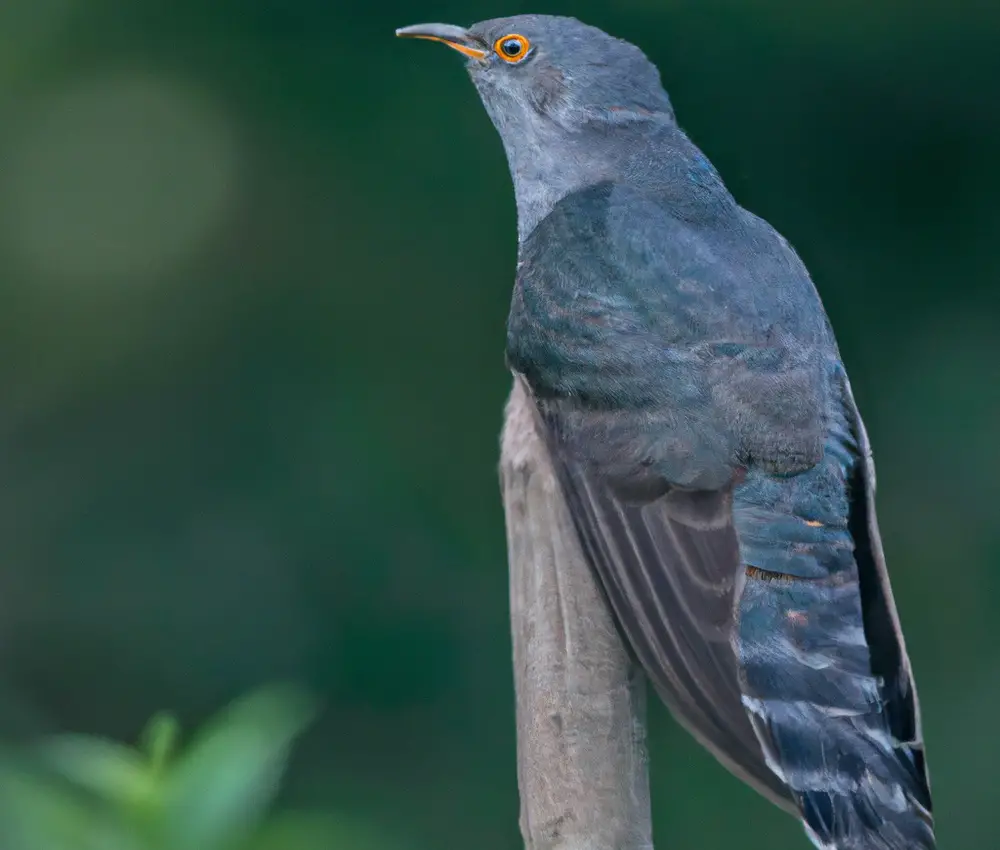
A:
{"x":565,"y":97}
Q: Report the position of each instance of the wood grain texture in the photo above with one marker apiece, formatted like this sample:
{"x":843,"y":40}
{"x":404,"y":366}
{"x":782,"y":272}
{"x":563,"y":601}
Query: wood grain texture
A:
{"x":581,"y":701}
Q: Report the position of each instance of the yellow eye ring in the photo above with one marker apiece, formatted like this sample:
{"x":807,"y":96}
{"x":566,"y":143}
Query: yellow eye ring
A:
{"x":512,"y":48}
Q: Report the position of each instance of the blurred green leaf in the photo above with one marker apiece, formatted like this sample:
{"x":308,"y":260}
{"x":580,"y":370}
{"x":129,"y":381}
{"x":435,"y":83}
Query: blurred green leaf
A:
{"x":109,"y":769}
{"x":220,"y":787}
{"x":159,"y":740}
{"x":35,"y":814}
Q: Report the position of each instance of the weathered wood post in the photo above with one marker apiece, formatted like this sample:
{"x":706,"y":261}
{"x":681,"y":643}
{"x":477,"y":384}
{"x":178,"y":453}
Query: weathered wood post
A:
{"x":581,"y":734}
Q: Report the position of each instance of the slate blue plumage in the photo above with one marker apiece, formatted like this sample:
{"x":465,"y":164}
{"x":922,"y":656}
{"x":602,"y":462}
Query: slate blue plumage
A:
{"x":690,"y":390}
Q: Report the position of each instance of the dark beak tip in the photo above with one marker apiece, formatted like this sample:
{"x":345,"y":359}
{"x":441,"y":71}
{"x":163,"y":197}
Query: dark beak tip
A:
{"x":443,"y":31}
{"x":458,"y":38}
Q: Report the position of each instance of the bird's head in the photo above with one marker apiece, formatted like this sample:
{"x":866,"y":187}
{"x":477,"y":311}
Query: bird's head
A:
{"x":538,"y":70}
{"x":573,"y":105}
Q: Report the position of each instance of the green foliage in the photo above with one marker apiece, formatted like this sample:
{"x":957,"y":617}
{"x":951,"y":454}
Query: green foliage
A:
{"x":79,"y":792}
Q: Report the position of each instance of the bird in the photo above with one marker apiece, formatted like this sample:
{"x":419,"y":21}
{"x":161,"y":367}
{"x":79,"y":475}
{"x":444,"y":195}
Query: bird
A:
{"x":690,"y":391}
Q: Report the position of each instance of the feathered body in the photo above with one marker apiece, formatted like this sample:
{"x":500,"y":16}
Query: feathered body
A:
{"x":718,"y":475}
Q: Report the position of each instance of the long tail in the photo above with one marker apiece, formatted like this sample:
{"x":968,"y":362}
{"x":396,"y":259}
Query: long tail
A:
{"x":832,"y":705}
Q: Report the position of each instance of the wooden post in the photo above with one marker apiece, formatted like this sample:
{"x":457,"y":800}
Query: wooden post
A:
{"x":581,"y":701}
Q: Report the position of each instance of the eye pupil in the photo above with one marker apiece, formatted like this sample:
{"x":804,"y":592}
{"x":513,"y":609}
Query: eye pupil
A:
{"x":512,"y":47}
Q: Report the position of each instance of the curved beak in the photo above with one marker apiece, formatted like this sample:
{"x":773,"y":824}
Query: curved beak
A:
{"x":457,"y":38}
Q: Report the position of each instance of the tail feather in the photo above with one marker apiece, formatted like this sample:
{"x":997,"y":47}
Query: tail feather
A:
{"x":829,"y":726}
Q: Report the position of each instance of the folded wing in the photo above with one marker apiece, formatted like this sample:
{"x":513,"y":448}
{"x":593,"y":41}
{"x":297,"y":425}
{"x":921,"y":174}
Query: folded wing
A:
{"x":671,"y":570}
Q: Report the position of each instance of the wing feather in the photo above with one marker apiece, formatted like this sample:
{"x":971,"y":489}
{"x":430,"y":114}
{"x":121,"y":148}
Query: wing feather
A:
{"x":671,"y":571}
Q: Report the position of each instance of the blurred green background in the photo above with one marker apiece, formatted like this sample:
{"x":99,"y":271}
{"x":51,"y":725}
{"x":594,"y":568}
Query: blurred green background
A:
{"x":255,"y":261}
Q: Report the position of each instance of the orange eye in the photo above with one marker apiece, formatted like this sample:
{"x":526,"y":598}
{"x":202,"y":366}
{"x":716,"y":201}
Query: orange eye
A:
{"x":512,"y":48}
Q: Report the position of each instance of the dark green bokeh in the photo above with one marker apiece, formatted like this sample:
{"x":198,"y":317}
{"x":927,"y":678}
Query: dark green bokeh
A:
{"x":255,"y":261}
